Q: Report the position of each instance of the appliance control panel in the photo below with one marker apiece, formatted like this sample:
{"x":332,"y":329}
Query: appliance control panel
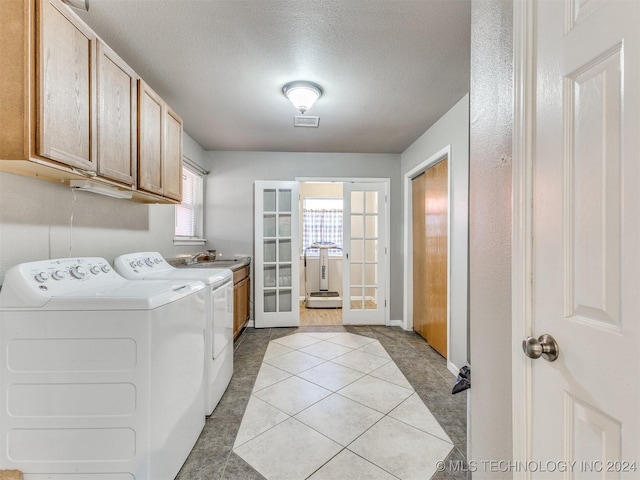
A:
{"x":29,"y":284}
{"x":136,"y":266}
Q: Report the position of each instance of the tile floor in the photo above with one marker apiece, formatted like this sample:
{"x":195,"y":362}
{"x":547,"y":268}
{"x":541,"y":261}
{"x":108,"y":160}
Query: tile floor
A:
{"x":333,"y":403}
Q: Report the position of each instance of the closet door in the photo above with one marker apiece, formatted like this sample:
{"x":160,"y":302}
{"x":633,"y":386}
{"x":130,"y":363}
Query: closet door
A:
{"x":430,"y":197}
{"x":365,"y":254}
{"x":277,"y":254}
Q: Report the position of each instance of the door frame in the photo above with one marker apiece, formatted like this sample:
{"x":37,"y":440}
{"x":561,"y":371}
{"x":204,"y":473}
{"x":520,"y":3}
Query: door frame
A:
{"x":387,"y":237}
{"x":407,"y":296}
{"x":522,"y":228}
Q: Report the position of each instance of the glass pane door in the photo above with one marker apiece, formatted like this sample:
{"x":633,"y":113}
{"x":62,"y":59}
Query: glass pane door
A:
{"x":276,"y":242}
{"x":365,"y":260}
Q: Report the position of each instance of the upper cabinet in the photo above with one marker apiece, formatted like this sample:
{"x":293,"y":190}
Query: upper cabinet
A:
{"x":73,"y":109}
{"x":172,"y":162}
{"x":66,"y":97}
{"x":150,"y":122}
{"x":159,"y":146}
{"x":117,"y":93}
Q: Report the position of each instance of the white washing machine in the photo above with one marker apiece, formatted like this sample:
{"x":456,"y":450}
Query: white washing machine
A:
{"x":218,"y":307}
{"x":101,"y":377}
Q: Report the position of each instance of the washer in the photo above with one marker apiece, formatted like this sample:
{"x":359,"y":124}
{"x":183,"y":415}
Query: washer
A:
{"x":101,"y":377}
{"x":218,"y":307}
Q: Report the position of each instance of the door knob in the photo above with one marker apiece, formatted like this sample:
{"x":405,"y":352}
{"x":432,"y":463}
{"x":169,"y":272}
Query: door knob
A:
{"x":544,"y":346}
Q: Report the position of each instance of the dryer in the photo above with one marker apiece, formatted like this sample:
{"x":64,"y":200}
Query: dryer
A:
{"x":101,"y":377}
{"x":218,"y":307}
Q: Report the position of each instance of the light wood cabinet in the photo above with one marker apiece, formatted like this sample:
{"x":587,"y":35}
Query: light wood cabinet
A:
{"x":117,"y":142}
{"x":172,"y":159}
{"x":150,"y":139}
{"x":70,"y":108}
{"x":66,"y":100}
{"x":160,"y":145}
{"x":241,"y":299}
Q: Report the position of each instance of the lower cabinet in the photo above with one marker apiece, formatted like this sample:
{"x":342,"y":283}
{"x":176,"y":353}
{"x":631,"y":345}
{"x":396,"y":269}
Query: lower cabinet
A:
{"x":241,"y":299}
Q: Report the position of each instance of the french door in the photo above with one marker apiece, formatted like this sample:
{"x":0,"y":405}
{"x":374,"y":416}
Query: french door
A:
{"x":365,"y":254}
{"x":277,"y":254}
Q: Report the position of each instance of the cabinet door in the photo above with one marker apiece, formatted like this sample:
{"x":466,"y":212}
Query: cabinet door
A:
{"x":150,"y":141}
{"x":66,"y":102}
{"x":241,"y":305}
{"x":117,"y":106}
{"x":172,"y":158}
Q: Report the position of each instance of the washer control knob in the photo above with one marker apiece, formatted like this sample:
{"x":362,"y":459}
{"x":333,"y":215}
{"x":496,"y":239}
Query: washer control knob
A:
{"x":78,"y":272}
{"x":148,"y":261}
{"x":57,"y":275}
{"x":133,"y":264}
{"x":95,"y":269}
{"x":106,"y":268}
{"x":157,"y":260}
{"x":139,"y":263}
{"x":42,"y":277}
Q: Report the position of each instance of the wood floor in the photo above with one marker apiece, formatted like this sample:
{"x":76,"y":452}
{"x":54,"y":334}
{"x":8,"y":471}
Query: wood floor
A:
{"x":328,"y":316}
{"x":319,"y":316}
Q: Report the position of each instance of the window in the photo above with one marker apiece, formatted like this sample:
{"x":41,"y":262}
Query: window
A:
{"x":189,"y":214}
{"x":322,"y":222}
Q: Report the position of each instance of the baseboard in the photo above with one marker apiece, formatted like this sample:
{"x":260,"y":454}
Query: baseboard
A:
{"x":452,"y":368}
{"x":396,"y":323}
{"x":250,"y":324}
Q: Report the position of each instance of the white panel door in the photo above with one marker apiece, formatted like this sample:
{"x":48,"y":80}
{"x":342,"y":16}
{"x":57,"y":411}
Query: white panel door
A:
{"x":584,"y":179}
{"x":364,"y":257}
{"x":277,"y":255}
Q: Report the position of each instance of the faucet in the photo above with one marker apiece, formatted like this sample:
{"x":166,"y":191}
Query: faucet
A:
{"x":194,"y":258}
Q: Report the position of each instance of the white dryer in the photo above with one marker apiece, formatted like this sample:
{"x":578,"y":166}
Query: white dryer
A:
{"x":101,"y":377}
{"x":218,"y":307}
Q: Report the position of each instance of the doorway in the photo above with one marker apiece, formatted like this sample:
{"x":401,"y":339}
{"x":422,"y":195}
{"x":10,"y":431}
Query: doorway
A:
{"x":352,"y":215}
{"x":358,"y":270}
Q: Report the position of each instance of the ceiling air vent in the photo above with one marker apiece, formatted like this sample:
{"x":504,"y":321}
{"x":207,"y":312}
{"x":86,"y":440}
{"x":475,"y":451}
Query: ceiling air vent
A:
{"x":306,"y":121}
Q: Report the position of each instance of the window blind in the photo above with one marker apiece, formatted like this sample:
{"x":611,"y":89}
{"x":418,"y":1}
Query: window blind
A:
{"x":187,"y":213}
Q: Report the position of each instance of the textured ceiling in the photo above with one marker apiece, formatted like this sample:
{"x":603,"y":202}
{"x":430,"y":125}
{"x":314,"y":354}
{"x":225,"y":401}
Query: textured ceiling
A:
{"x":389,"y":68}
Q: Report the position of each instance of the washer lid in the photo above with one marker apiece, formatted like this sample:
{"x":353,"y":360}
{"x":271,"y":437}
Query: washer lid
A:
{"x":128,"y":295}
{"x":213,"y":277}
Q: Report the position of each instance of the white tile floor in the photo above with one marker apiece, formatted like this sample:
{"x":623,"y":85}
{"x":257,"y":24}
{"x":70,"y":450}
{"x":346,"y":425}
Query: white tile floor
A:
{"x":334,"y":406}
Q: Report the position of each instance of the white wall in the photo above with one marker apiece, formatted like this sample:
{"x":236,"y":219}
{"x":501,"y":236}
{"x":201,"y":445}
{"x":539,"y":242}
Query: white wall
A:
{"x":451,"y":130}
{"x":229,"y":210}
{"x":41,"y":220}
{"x":491,"y":130}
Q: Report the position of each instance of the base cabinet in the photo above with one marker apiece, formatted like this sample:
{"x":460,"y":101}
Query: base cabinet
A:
{"x":241,"y":299}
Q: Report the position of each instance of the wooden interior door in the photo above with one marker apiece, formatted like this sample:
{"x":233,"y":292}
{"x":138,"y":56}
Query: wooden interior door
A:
{"x":430,"y":204}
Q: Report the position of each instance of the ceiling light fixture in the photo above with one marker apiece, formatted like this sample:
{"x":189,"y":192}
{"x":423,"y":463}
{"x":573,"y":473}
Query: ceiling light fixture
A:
{"x":302,"y":94}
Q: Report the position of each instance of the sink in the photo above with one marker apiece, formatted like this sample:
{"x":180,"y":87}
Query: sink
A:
{"x":232,"y":264}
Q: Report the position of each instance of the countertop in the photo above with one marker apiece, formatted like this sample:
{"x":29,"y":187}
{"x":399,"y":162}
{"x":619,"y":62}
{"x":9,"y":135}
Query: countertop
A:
{"x":232,"y":264}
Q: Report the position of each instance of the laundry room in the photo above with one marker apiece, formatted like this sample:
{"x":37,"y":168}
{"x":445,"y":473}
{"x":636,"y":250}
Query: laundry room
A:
{"x":246,"y":184}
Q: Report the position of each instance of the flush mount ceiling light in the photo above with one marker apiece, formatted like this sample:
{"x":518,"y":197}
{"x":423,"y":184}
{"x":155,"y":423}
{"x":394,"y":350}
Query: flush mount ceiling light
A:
{"x":302,"y":94}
